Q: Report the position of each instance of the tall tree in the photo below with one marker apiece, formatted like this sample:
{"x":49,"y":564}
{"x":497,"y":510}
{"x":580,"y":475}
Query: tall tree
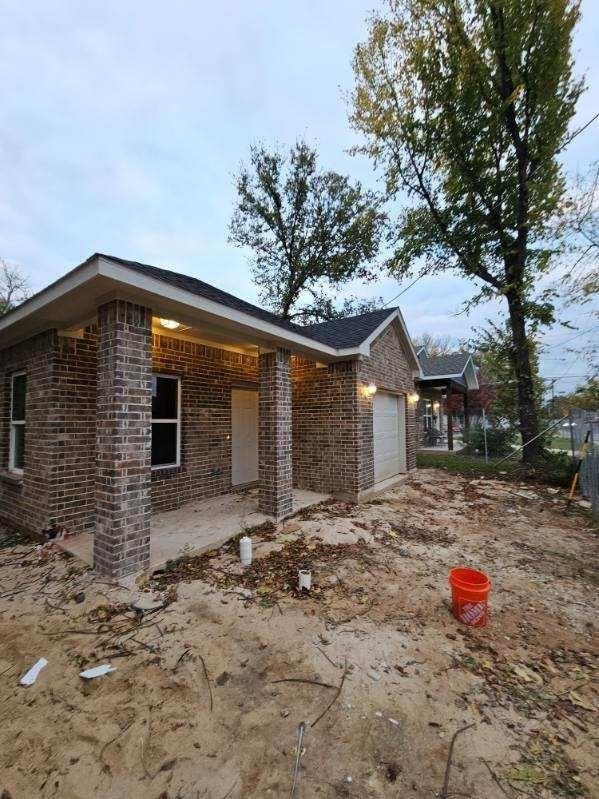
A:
{"x":433,"y":344}
{"x":14,"y":286}
{"x":310,"y":231}
{"x":465,"y":104}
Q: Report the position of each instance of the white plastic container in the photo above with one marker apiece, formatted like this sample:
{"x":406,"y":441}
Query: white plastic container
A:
{"x":304,"y":579}
{"x":245,"y":550}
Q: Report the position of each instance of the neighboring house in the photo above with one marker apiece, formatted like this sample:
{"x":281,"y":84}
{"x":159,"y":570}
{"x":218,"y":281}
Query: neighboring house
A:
{"x":442,"y":377}
{"x":128,"y":390}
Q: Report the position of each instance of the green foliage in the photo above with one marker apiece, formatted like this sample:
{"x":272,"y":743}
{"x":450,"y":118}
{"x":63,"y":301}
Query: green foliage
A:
{"x":552,"y":469}
{"x":493,"y":353}
{"x":499,"y":440}
{"x":585,"y":397}
{"x":465,"y":105}
{"x":309,"y":231}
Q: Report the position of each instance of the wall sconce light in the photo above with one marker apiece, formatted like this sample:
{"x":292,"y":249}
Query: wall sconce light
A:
{"x":169,"y":324}
{"x":413,"y":397}
{"x":370,"y":390}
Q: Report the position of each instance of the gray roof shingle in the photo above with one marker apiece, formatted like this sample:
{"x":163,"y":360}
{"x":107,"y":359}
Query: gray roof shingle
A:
{"x":349,"y":331}
{"x":452,"y":364}
{"x":201,"y":289}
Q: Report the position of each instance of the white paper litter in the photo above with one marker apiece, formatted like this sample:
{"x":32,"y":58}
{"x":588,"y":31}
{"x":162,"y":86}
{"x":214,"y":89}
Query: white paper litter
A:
{"x":97,"y":671}
{"x":31,"y":676}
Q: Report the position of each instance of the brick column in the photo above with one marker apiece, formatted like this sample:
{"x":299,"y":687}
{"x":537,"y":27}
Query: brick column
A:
{"x":123,"y":439}
{"x":274,"y":441}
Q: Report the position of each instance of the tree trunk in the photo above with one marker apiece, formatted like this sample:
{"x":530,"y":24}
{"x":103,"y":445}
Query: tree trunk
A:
{"x":527,"y":403}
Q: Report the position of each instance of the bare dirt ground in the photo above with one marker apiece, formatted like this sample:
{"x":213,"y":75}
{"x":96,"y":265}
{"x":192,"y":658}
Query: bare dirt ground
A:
{"x":209,"y":689}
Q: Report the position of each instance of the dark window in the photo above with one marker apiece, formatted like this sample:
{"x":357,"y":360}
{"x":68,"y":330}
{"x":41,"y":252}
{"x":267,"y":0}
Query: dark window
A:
{"x":19,"y":388}
{"x":165,"y":399}
{"x":165,"y":420}
{"x":164,"y":444}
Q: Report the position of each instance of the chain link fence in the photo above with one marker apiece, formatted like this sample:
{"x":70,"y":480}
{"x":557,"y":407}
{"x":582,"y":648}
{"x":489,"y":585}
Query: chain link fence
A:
{"x":584,"y":426}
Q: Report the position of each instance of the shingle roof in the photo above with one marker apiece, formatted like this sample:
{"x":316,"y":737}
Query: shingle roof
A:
{"x":452,"y":364}
{"x":195,"y":286}
{"x":349,"y":331}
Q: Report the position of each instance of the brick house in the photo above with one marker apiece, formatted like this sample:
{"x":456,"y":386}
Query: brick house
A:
{"x":129,"y":390}
{"x":441,"y":379}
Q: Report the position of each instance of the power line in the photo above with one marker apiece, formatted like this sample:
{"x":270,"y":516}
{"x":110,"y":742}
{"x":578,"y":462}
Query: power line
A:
{"x":565,"y":341}
{"x":580,"y":130}
{"x":404,"y":290}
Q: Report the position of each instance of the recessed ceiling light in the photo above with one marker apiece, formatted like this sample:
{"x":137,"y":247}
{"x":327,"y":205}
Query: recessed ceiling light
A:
{"x":170,"y":324}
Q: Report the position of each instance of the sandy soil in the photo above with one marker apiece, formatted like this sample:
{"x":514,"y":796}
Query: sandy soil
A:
{"x":201,"y":703}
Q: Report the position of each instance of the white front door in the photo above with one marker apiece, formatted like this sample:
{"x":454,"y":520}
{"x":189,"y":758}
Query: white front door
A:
{"x":244,"y":436}
{"x":389,"y":430}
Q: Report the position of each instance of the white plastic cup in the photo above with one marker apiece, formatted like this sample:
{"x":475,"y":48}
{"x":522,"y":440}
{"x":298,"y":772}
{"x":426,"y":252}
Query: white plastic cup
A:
{"x":245,"y":550}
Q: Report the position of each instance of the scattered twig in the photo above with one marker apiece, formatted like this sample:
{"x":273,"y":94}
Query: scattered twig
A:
{"x":366,"y":610}
{"x":112,"y":740}
{"x":324,"y":654}
{"x":300,"y":740}
{"x":335,"y":698}
{"x":497,"y":781}
{"x":444,"y":794}
{"x":230,"y":791}
{"x":180,"y":658}
{"x":308,"y":682}
{"x":207,"y":681}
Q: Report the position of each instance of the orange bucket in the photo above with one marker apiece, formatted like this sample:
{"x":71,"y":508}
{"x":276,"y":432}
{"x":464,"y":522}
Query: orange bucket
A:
{"x":469,"y":595}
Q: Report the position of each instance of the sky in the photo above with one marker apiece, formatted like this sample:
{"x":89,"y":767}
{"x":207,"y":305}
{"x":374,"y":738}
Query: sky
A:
{"x":122,"y":126}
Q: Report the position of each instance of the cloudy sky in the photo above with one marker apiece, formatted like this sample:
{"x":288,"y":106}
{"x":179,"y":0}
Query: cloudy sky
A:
{"x":122,"y":124}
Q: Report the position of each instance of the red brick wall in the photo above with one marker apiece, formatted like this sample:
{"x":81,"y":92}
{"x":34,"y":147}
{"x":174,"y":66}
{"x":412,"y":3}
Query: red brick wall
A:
{"x":332,"y":423}
{"x":123,"y":429}
{"x":275,"y":438}
{"x":74,"y":422}
{"x":26,"y":502}
{"x":207,"y":376}
{"x":59,"y":482}
{"x":325,"y":433}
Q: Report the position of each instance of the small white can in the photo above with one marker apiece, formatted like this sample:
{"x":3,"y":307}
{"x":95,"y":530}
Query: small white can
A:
{"x":245,"y":550}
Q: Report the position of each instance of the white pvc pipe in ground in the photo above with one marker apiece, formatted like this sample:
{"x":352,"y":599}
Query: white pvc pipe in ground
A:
{"x":304,"y":579}
{"x":245,"y":550}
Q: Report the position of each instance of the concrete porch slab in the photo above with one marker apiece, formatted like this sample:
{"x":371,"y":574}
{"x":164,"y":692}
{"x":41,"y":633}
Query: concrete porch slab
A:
{"x":197,"y":526}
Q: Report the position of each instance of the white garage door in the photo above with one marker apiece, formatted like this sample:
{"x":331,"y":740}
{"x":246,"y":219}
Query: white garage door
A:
{"x":389,"y":427}
{"x":244,"y":435}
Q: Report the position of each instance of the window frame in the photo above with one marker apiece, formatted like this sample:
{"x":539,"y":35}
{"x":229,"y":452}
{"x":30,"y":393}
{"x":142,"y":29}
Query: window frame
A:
{"x":177,"y":421}
{"x":16,"y":423}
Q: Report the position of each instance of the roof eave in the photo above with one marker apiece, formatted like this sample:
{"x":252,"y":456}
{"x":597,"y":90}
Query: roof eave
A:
{"x":113,"y":279}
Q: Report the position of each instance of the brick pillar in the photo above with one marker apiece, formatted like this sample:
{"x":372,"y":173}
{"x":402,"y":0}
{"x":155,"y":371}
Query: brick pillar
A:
{"x":274,"y":441}
{"x":123,"y":439}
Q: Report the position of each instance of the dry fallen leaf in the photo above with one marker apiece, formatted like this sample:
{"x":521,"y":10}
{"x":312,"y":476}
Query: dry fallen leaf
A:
{"x":527,"y":674}
{"x":580,"y":701}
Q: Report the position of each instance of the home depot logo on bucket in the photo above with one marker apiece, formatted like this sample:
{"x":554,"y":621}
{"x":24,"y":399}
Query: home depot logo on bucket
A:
{"x":469,"y":593}
{"x":473,"y":612}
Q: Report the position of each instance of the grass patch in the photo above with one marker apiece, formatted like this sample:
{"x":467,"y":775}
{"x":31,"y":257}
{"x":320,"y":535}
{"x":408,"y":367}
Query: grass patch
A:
{"x":559,"y":442}
{"x":552,"y":469}
{"x":467,"y":465}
